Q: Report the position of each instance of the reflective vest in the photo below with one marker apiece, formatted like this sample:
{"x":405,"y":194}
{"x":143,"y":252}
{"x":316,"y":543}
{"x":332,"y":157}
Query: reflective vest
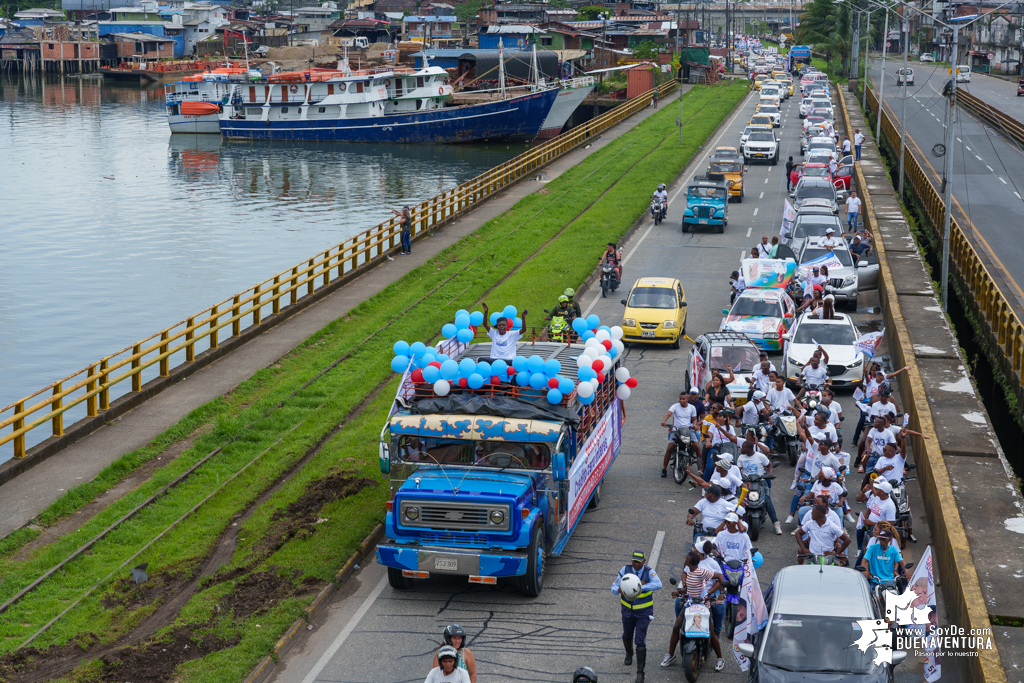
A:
{"x":646,"y":598}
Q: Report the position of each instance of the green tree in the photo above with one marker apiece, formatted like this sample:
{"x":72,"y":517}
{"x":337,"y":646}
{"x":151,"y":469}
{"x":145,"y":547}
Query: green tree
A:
{"x":466,"y":12}
{"x":826,"y":26}
{"x":590,"y":13}
{"x":645,"y":50}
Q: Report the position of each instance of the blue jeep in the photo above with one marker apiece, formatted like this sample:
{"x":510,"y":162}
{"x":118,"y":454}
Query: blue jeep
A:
{"x":707,"y":204}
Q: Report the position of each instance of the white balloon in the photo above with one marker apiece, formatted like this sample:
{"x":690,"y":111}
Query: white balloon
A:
{"x":594,"y":383}
{"x":622,"y":392}
{"x":591,"y":342}
{"x":616,"y":332}
{"x":593,"y":352}
{"x":584,"y":361}
{"x":602,"y":335}
{"x":584,"y":390}
{"x":607,"y":360}
{"x":618,"y":346}
{"x":441,"y":387}
{"x":622,"y":374}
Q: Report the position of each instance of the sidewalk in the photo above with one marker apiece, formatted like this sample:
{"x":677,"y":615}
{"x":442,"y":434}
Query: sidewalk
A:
{"x":29,"y":493}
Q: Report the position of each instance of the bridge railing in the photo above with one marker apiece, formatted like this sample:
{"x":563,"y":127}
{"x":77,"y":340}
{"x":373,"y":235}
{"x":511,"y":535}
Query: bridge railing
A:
{"x":41,"y":415}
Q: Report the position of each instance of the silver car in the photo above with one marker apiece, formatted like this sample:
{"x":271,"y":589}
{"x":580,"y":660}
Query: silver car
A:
{"x":812,"y":621}
{"x":812,"y":225}
{"x":843,"y":282}
{"x":836,"y":336}
{"x":816,"y":188}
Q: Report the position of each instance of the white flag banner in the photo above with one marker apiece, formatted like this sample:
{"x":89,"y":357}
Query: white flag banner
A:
{"x":923,"y":584}
{"x":868,"y":344}
{"x":698,"y":370}
{"x":752,"y":605}
{"x":788,"y":217}
{"x":829,"y":260}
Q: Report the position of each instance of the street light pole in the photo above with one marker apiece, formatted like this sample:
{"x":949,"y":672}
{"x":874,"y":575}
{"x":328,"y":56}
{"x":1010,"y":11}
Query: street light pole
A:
{"x":881,"y":79}
{"x":905,"y":34}
{"x":948,"y":193}
{"x":854,"y":66}
{"x":867,"y":66}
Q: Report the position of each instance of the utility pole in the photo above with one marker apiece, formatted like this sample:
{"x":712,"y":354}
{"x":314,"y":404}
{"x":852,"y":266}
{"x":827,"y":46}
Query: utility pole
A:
{"x":947,"y":195}
{"x":881,"y":79}
{"x":867,"y":65}
{"x":854,"y":66}
{"x":903,"y":135}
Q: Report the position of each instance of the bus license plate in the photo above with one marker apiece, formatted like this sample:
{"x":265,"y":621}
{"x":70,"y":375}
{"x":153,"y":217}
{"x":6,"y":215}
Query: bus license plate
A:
{"x":446,"y":564}
{"x":649,"y":334}
{"x":702,"y":221}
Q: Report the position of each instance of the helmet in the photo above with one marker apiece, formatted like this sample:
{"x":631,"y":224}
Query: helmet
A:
{"x":885,"y":391}
{"x":661,"y":186}
{"x":569,"y":292}
{"x":447,"y":651}
{"x":454,"y":630}
{"x":758,"y":560}
{"x":630,"y":586}
{"x":563,"y":299}
{"x":584,"y":674}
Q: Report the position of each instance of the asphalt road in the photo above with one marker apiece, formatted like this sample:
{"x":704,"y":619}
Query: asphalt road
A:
{"x":988,"y":169}
{"x":379,"y":634}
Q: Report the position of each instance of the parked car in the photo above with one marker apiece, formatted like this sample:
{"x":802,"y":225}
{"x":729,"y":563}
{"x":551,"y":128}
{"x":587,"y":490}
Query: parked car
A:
{"x":836,"y":336}
{"x":843,"y":280}
{"x":718,"y":349}
{"x":813,"y":615}
{"x":905,"y":75}
{"x":843,"y":178}
{"x":764,"y":315}
{"x":926,"y":57}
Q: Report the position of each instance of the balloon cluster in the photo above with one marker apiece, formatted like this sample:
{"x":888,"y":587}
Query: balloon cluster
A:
{"x":604,"y":344}
{"x":464,"y":327}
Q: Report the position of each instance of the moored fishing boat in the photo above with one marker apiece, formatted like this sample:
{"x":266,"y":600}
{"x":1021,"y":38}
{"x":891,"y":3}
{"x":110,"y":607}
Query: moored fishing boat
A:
{"x":194,"y":102}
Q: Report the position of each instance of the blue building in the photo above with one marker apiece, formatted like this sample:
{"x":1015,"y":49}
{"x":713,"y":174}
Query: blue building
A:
{"x":158,"y":29}
{"x":510,"y":35}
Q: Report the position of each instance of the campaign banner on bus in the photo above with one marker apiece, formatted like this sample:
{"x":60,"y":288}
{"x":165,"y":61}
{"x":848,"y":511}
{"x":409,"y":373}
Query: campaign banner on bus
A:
{"x":764,"y":273}
{"x":593,"y":460}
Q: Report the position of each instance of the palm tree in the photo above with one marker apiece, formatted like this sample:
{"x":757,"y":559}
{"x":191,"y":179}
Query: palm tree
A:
{"x":826,"y":27}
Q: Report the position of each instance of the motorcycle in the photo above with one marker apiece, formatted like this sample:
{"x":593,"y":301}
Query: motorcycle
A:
{"x":658,"y":210}
{"x":879,"y":588}
{"x":683,"y":457}
{"x":732,"y":572}
{"x":785,"y":441}
{"x":756,"y":502}
{"x":694,"y":636}
{"x":559,"y":327}
{"x":902,"y":502}
{"x":609,"y":283}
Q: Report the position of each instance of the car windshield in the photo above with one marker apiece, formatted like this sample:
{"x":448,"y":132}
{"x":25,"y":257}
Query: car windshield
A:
{"x":906,"y":72}
{"x":497,"y":454}
{"x":769,"y":109}
{"x":726,"y":153}
{"x":812,"y":253}
{"x":816,"y":172}
{"x":740,"y":358}
{"x":700,"y":191}
{"x":746,"y":131}
{"x":731,"y":167}
{"x":761,"y":307}
{"x":816,"y":192}
{"x":761,"y":137}
{"x":805,"y":643}
{"x":761,"y":120}
{"x":822,"y":145}
{"x":824,"y":333}
{"x":652,"y":297}
{"x":812,"y":226}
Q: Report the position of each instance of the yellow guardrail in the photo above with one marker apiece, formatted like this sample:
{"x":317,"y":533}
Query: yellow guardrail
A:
{"x":92,"y":385}
{"x":993,"y":305}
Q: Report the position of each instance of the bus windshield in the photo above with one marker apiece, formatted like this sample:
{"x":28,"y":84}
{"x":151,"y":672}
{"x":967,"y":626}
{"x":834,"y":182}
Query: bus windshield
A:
{"x":496,"y":454}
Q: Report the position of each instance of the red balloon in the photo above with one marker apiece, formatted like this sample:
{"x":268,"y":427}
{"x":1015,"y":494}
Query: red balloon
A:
{"x":463,"y":382}
{"x":495,"y":380}
{"x":598,"y":366}
{"x":511,"y":370}
{"x":607,"y":344}
{"x":600,"y":377}
{"x":553,"y":383}
{"x":435,"y":363}
{"x":511,"y":322}
{"x":631,"y":382}
{"x":417,"y":376}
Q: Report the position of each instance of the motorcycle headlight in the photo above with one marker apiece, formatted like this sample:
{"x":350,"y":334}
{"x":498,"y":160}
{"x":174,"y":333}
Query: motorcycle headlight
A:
{"x":848,"y":282}
{"x":629,"y":322}
{"x":754,"y":496}
{"x":669,"y":325}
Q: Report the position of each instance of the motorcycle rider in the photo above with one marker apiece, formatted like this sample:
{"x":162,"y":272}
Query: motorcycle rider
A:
{"x":684,"y":416}
{"x":695,"y":579}
{"x":455,"y":636}
{"x":662,"y":194}
{"x":719,"y":432}
{"x":876,"y":439}
{"x":780,"y":397}
{"x":753,"y":461}
{"x":446,"y":671}
{"x":881,"y":507}
{"x":712,"y":508}
{"x":613,"y":255}
{"x":825,"y":486}
{"x":880,"y":560}
{"x":754,"y":410}
{"x":571,"y":293}
{"x":715,"y":596}
{"x":638,"y":613}
{"x":815,"y":372}
{"x":822,"y":534}
{"x":564,"y":310}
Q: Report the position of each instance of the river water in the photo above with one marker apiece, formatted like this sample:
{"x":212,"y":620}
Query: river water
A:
{"x":113,"y":229}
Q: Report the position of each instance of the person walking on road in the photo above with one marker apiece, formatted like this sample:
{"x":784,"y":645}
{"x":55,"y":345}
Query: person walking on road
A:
{"x":858,"y":141}
{"x":789,"y":172}
{"x":638,"y":613}
{"x":852,"y":209}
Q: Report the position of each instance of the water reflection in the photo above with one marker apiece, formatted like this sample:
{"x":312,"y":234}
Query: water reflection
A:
{"x":113,"y":229}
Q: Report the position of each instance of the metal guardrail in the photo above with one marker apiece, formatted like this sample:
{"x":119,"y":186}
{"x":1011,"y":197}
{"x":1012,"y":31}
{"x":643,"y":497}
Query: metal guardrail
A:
{"x":179,"y":344}
{"x":984,"y":110}
{"x":992,"y":303}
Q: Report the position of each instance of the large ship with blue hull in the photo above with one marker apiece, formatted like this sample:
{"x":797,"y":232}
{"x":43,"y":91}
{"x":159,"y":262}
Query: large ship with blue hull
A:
{"x":370,"y":115}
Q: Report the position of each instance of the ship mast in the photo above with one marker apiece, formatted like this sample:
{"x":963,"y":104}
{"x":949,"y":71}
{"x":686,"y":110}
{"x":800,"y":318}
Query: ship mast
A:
{"x":501,"y":68}
{"x":533,"y":65}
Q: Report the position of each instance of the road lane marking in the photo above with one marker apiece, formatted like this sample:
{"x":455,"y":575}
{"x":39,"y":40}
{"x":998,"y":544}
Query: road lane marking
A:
{"x":329,"y":653}
{"x":1018,"y":195}
{"x":659,"y":540}
{"x":756,"y":210}
{"x":989,"y":168}
{"x":748,"y":231}
{"x":762,"y":196}
{"x":765,"y":181}
{"x":1001,"y":180}
{"x":978,"y":158}
{"x":967,"y":148}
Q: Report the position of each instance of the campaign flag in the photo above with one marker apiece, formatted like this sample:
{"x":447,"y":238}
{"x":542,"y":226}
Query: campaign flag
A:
{"x":868,"y":344}
{"x":752,"y":614}
{"x":764,"y":273}
{"x":698,"y":369}
{"x":788,"y":216}
{"x":829,"y":260}
{"x":923,"y":584}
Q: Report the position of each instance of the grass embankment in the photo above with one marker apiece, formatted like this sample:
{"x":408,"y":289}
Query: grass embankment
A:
{"x":296,"y":539}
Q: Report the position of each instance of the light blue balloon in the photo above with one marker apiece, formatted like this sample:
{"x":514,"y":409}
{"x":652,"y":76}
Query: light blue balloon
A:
{"x":483,"y":368}
{"x":554,"y":396}
{"x":467,"y":366}
{"x":565,"y":385}
{"x":476,"y":318}
{"x":448,"y":331}
{"x":510,"y":311}
{"x":465,"y":336}
{"x":428,"y":358}
{"x":592,"y":321}
{"x":462,"y":321}
{"x":400,"y":363}
{"x":586,"y":373}
{"x":579,"y":324}
{"x":520,"y":364}
{"x":494,"y":318}
{"x":605,"y":328}
{"x":449,"y":370}
{"x":538,"y":381}
{"x":431,"y":373}
{"x":517,"y":324}
{"x":417,"y":348}
{"x":585,"y":400}
{"x":475,"y":381}
{"x":401,"y":348}
{"x":535,"y":364}
{"x":499,"y":368}
{"x":587,"y":335}
{"x":552,"y":367}
{"x":461,"y":311}
{"x":523,"y":379}
{"x":441,"y":357}
{"x":612,"y":352}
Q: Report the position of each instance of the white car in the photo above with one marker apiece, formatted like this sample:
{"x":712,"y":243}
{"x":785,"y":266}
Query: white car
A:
{"x":836,"y":336}
{"x":745,"y":134}
{"x":844,"y":281}
{"x":827,"y":144}
{"x":926,"y":57}
{"x":761,"y":145}
{"x":963,"y":74}
{"x":773,"y":92}
{"x":806,"y":105}
{"x":772,"y":111}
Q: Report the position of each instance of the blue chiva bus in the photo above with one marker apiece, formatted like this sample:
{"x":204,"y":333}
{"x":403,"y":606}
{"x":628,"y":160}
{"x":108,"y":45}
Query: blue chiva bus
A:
{"x":800,"y":53}
{"x":489,"y":483}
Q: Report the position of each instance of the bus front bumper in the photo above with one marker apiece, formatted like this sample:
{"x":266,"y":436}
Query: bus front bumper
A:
{"x":452,"y":561}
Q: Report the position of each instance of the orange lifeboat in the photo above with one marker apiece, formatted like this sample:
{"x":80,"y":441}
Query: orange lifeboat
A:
{"x":199,"y":108}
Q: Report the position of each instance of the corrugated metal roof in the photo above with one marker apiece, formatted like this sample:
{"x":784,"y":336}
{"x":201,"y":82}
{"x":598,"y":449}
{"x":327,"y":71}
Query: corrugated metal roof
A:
{"x":441,"y":19}
{"x":514,"y":29}
{"x":139,"y":37}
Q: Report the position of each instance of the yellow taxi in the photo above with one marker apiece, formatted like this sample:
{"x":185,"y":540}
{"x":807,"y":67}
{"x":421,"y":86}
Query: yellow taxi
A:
{"x":761,"y":121}
{"x":759,"y":80}
{"x":787,"y":82}
{"x":655,"y":312}
{"x":730,"y":168}
{"x":778,"y":74}
{"x":766,"y":101}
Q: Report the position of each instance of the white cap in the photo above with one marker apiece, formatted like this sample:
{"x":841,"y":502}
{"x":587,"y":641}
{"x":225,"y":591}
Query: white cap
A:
{"x":828,"y":230}
{"x":693,"y":390}
{"x":828,"y":473}
{"x":732,"y":517}
{"x":758,"y":395}
{"x":727,"y":457}
{"x":882,"y":485}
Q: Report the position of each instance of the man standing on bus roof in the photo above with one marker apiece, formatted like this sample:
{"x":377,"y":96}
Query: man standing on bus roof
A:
{"x":638,"y":613}
{"x":503,"y":340}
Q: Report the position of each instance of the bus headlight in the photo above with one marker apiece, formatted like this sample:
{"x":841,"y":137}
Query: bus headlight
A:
{"x":497,"y":517}
{"x":412,"y":513}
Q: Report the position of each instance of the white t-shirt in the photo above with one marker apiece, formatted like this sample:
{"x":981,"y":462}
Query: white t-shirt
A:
{"x":898,"y":462}
{"x":718,"y":434}
{"x":733,"y":546}
{"x":682,"y":417}
{"x":778,"y":400}
{"x":713,"y":514}
{"x":817,"y":461}
{"x":833,"y":491}
{"x":881,"y":510}
{"x":853,"y":205}
{"x":822,"y":538}
{"x":818,"y":279}
{"x":750,"y":412}
{"x":827,"y":242}
{"x":503,"y":346}
{"x":878,"y":408}
{"x":458,"y":675}
{"x":731,"y":480}
{"x":738,"y":284}
{"x":878,"y":439}
{"x":764,"y":250}
{"x":753,"y":464}
{"x":661,"y":194}
{"x":816,"y":375}
{"x":829,"y":431}
{"x":833,"y":411}
{"x":858,"y":138}
{"x":761,"y":379}
{"x":846,"y":146}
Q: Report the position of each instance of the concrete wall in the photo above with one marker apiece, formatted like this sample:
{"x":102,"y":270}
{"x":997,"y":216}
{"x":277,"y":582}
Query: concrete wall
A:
{"x":66,"y":51}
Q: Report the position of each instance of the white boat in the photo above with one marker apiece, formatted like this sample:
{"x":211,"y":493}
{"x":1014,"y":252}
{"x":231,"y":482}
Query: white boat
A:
{"x":570,"y":95}
{"x":194,"y":103}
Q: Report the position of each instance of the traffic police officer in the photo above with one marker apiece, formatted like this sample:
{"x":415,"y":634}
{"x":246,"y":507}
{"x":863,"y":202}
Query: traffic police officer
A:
{"x":638,"y":613}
